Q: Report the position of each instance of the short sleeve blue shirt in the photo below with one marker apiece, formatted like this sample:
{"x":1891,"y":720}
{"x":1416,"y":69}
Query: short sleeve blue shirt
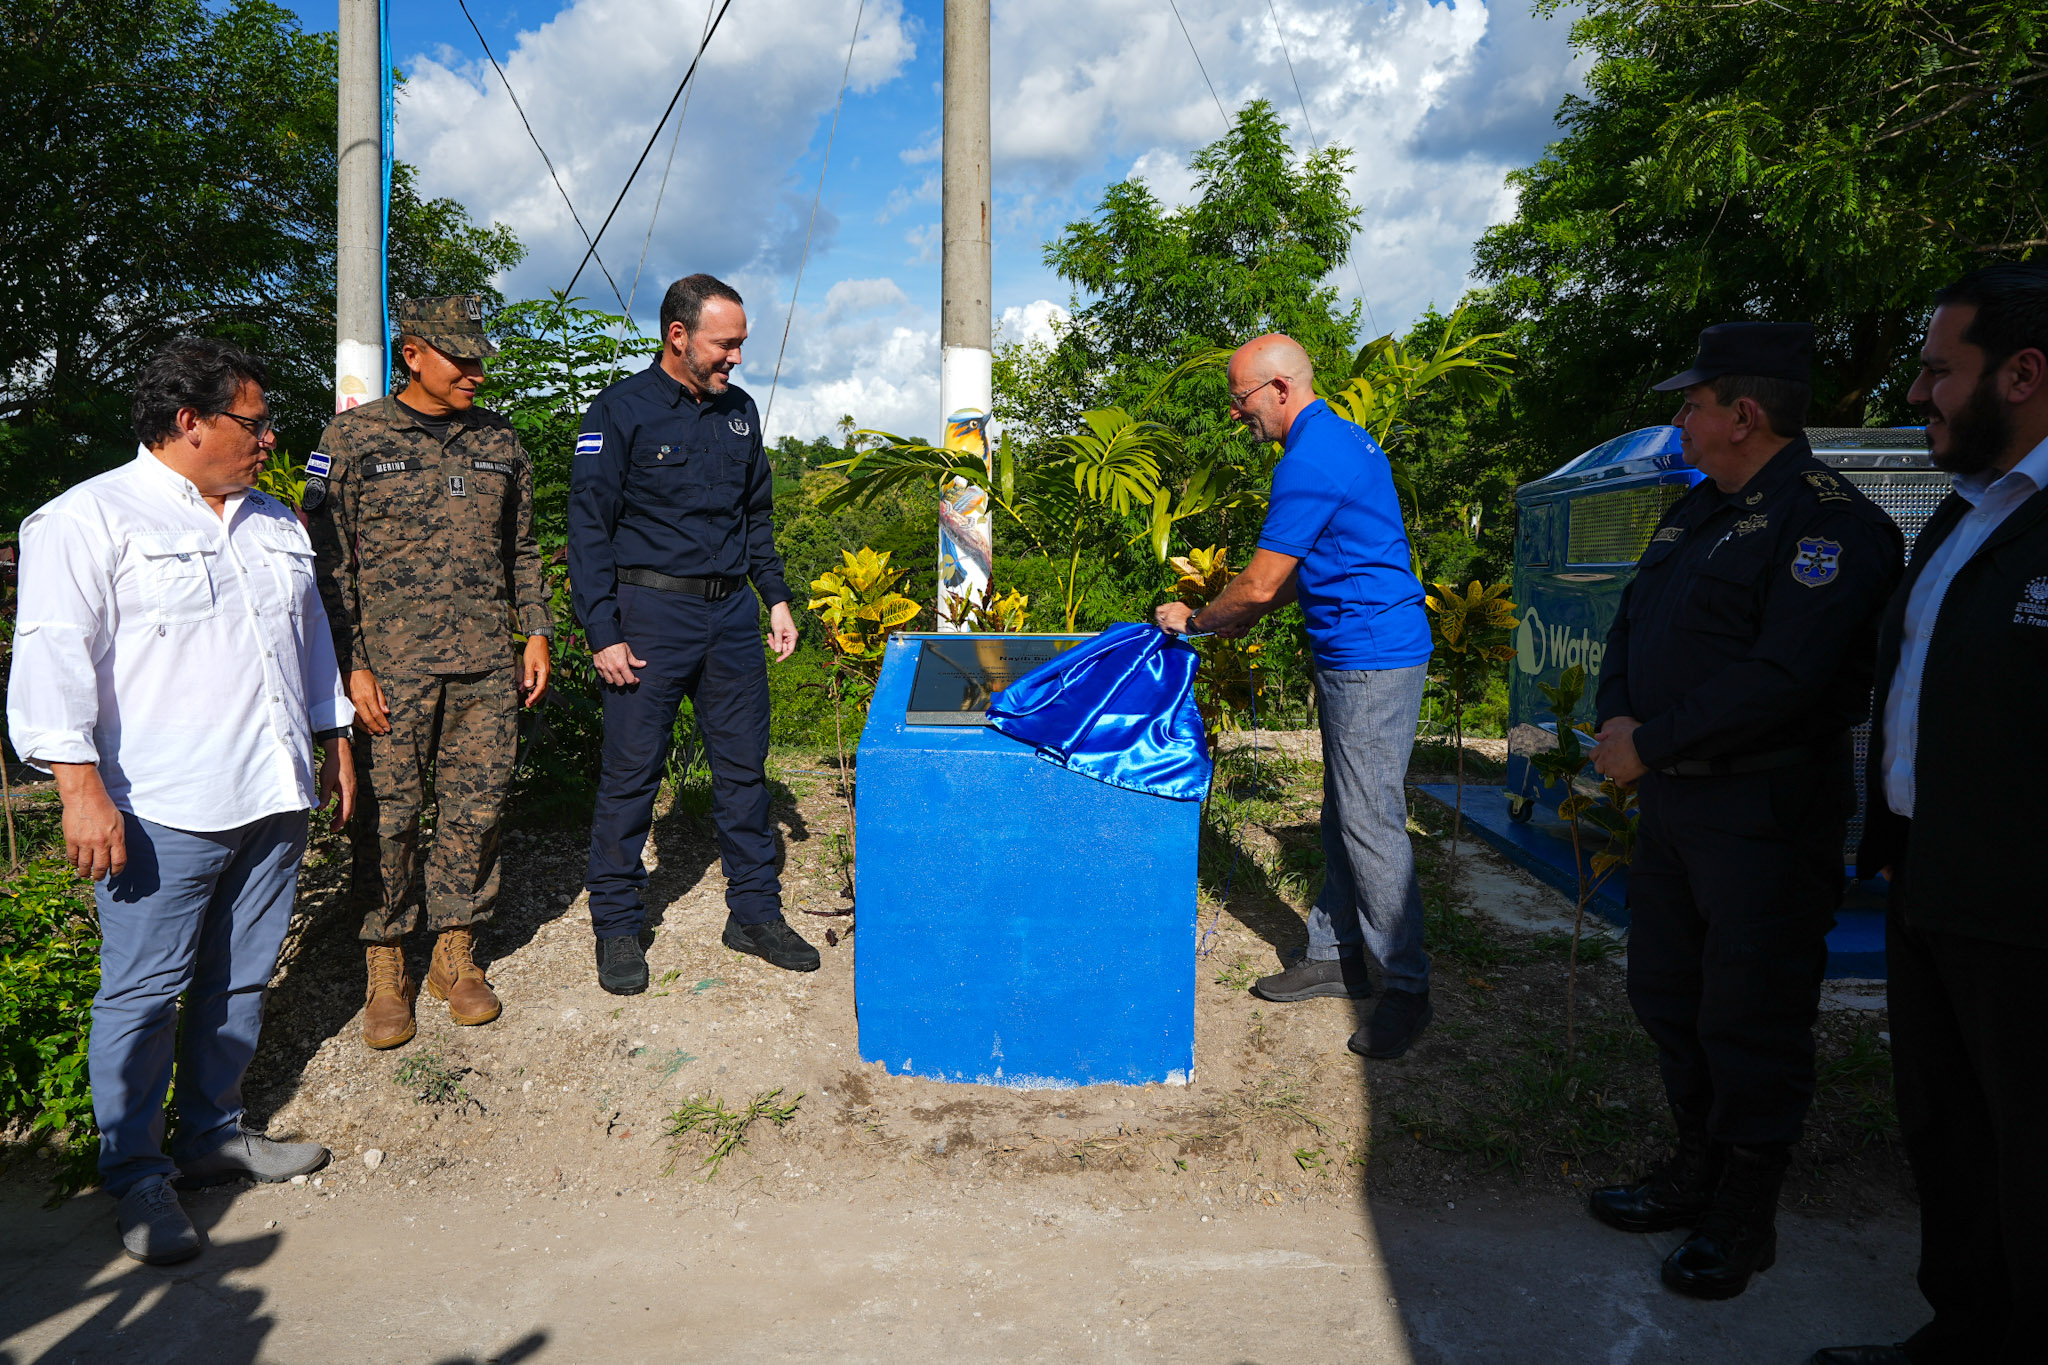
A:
{"x":1334,"y":509}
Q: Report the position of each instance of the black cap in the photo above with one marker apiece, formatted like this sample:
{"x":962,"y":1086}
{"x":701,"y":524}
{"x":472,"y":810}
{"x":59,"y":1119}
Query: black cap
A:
{"x":1761,"y":350}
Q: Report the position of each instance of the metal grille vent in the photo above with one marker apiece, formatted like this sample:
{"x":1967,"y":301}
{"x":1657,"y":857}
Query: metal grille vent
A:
{"x":1910,"y":497}
{"x":1614,"y":528}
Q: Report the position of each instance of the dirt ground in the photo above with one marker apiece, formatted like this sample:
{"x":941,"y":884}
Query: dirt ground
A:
{"x":1279,"y":1178}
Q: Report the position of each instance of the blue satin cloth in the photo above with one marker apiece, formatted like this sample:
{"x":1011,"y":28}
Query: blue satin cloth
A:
{"x":1119,"y":708}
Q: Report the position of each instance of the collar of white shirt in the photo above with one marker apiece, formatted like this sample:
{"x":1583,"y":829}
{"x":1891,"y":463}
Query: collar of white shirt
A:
{"x":2032,"y":468}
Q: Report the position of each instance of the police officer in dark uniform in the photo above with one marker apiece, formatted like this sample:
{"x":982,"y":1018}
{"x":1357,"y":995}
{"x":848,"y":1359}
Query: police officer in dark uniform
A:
{"x":1739,"y":662}
{"x":669,"y":518}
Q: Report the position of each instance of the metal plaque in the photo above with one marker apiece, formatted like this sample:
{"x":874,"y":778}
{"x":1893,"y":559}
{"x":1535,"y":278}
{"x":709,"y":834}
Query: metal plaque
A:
{"x":957,"y":675}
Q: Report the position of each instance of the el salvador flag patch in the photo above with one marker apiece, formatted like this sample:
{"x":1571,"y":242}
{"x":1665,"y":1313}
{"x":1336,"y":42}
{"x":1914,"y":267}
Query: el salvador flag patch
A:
{"x":590,"y":443}
{"x":317,"y":464}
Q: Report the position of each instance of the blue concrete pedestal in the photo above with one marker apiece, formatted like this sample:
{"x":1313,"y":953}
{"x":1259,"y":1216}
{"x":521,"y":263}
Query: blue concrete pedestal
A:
{"x":1019,"y":924}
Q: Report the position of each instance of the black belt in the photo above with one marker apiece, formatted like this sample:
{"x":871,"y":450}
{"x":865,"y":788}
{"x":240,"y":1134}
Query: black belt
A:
{"x":713,"y":589}
{"x":1743,"y":763}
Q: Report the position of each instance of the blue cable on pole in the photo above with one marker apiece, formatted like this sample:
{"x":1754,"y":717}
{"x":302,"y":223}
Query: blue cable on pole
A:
{"x":390,"y":110}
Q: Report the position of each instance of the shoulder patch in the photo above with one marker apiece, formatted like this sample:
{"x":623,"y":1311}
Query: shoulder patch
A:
{"x":1817,"y":562}
{"x":318,"y":465}
{"x":315,"y":494}
{"x":590,"y":443}
{"x":1827,"y":485}
{"x":1667,"y":534}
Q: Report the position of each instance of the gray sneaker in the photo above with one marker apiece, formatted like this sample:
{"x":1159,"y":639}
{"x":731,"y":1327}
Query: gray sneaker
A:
{"x":251,"y":1156}
{"x":154,"y":1229}
{"x":1344,"y":978}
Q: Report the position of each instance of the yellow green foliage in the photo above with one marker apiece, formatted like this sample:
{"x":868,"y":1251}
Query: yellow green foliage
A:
{"x":859,"y":605}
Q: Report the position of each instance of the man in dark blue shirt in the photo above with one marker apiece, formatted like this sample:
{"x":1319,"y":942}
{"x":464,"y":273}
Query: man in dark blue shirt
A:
{"x":669,"y":519}
{"x":1334,"y":541}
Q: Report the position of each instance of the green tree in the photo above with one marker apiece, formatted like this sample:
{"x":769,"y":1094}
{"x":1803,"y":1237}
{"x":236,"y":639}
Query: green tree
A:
{"x":170,"y":167}
{"x":1796,"y":159}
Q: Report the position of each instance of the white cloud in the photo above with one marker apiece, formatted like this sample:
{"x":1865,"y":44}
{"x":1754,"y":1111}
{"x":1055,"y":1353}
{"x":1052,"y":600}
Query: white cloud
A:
{"x":865,"y":349}
{"x":1436,"y":101}
{"x":924,"y":240}
{"x":593,"y":80}
{"x":1036,"y":321}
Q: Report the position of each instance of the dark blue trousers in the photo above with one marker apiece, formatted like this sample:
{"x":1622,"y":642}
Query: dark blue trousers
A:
{"x":710,"y":652}
{"x":1734,"y":887}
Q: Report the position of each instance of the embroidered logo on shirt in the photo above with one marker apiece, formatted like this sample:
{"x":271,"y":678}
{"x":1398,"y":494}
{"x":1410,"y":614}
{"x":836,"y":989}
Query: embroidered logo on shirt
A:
{"x":494,"y":466}
{"x":2032,"y":608}
{"x":1754,"y":498}
{"x":318,"y":465}
{"x":456,"y":487}
{"x":589,"y":443}
{"x":739,"y":425}
{"x":1668,"y":533}
{"x":1817,"y":562}
{"x":1756,"y":523}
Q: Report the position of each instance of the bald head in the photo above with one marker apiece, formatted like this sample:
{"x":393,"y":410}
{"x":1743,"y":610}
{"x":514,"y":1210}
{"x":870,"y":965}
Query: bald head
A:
{"x":1271,"y":381}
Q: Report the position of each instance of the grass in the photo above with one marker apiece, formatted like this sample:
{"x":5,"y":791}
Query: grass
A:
{"x":434,"y":1082}
{"x":724,"y":1129}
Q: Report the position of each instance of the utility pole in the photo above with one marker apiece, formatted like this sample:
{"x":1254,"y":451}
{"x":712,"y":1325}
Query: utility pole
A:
{"x":966,"y":322}
{"x":360,"y":367}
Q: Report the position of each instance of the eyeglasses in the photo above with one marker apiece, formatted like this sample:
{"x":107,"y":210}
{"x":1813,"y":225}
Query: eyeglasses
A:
{"x":259,"y":427}
{"x":1238,"y":400}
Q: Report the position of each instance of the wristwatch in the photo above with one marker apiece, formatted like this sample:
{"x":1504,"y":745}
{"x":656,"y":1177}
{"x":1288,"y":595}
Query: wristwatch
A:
{"x":347,"y":732}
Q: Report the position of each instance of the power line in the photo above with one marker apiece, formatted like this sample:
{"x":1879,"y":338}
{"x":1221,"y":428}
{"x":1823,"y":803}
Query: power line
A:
{"x":545,"y":159}
{"x":1316,"y":143}
{"x":662,"y":190}
{"x":1198,"y":62}
{"x":790,"y":318}
{"x":651,"y":139}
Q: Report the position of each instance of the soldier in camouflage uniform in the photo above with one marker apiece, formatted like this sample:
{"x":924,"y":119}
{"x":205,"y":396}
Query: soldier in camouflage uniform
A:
{"x":422,"y":520}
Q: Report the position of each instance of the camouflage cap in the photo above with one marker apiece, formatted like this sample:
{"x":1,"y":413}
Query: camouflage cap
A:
{"x":452,"y":324}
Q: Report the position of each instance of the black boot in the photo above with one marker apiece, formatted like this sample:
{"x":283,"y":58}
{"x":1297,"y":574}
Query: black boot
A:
{"x":1672,"y":1195}
{"x":1738,"y":1234}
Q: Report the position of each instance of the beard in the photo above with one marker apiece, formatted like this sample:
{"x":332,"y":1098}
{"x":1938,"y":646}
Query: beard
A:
{"x":1979,"y":432}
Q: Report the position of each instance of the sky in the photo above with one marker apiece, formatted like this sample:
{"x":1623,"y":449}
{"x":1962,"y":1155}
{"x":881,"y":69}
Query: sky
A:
{"x":1438,"y":102}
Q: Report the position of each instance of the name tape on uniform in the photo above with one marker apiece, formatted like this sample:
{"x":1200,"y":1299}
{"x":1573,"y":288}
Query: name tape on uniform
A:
{"x":493,"y":466}
{"x":384,"y":468}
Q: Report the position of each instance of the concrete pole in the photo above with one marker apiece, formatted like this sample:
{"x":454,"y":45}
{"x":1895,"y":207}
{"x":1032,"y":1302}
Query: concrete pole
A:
{"x":966,"y":321}
{"x":360,"y":371}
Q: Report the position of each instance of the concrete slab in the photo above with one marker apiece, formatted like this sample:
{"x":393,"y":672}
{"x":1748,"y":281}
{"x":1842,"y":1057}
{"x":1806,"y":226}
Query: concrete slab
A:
{"x":899,"y":1271}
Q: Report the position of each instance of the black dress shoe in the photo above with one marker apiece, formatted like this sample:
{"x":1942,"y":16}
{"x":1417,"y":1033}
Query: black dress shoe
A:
{"x":1861,"y":1355}
{"x":1344,"y":977}
{"x":774,"y":942}
{"x":1738,"y":1234}
{"x":1673,"y":1195}
{"x":1397,"y":1021}
{"x":622,"y":965}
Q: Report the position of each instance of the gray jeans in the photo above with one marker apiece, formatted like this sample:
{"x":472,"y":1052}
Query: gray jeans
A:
{"x":1370,"y":898}
{"x":198,"y":916}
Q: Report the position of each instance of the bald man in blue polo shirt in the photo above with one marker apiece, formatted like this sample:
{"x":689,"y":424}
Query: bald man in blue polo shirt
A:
{"x":1334,"y":542}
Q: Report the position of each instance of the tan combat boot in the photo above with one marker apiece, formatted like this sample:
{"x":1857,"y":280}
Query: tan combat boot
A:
{"x":455,"y":977}
{"x":387,"y":1012}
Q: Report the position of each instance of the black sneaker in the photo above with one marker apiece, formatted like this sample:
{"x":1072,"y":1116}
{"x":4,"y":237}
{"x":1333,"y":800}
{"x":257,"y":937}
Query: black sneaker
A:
{"x":1395,"y":1025}
{"x":774,"y":942}
{"x":1344,"y":977}
{"x":622,"y":965}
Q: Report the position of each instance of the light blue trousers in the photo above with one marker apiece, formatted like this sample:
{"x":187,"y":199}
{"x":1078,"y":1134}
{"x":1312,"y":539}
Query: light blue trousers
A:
{"x":1371,"y":900}
{"x":195,"y":915}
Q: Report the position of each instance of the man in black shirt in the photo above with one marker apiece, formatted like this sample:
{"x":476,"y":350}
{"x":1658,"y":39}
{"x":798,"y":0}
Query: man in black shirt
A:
{"x":1738,"y":663}
{"x":670,"y":516}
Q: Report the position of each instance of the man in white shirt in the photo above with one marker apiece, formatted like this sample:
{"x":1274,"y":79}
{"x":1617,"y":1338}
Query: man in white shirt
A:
{"x":173,"y":668}
{"x":1954,"y":810}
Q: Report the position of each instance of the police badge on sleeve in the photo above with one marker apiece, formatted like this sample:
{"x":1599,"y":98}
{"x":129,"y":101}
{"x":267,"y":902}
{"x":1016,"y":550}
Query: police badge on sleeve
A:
{"x":1817,"y":562}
